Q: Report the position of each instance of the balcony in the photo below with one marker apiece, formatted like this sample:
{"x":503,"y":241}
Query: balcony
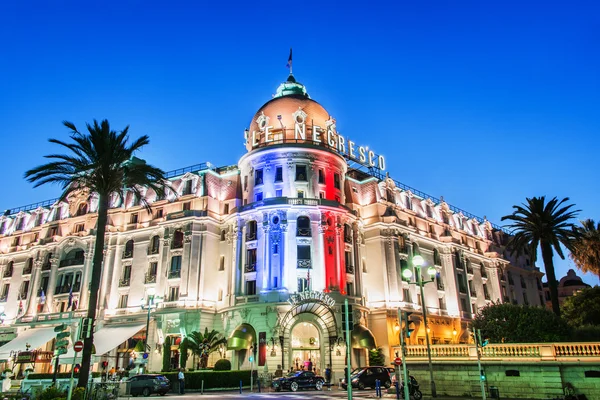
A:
{"x":186,"y":213}
{"x":349,"y":269}
{"x":305,"y":264}
{"x":125,"y":282}
{"x":174,"y":274}
{"x":67,"y":289}
{"x":70,"y":262}
{"x":303,"y":232}
{"x":250,"y":267}
{"x":150,"y":278}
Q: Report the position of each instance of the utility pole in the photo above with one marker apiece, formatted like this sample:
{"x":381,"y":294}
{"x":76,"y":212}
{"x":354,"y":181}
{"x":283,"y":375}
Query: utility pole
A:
{"x":403,"y":348}
{"x":481,"y":372}
{"x":348,"y":363}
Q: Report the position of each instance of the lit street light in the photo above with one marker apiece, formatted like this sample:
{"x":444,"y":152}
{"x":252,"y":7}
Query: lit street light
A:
{"x":419,"y":262}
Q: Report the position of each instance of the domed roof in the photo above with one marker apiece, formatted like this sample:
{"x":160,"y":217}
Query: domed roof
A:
{"x":290,"y":102}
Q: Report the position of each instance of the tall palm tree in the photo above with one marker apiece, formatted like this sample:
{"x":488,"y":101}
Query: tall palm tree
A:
{"x":586,"y":247}
{"x":547,"y":225}
{"x":101,"y":161}
{"x":203,"y":345}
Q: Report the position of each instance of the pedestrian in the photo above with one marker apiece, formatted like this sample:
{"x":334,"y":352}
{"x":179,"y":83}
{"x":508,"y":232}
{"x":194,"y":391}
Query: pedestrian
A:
{"x":328,"y":374}
{"x":181,"y":378}
{"x":310,"y":365}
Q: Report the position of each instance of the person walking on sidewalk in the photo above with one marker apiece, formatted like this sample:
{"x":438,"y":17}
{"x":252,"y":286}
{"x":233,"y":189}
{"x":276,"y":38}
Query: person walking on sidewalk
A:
{"x":181,"y":378}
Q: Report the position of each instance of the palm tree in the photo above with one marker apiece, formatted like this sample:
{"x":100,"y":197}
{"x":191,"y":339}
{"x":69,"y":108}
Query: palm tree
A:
{"x":547,"y":225}
{"x":100,"y":161}
{"x":203,"y":345}
{"x":586,"y":247}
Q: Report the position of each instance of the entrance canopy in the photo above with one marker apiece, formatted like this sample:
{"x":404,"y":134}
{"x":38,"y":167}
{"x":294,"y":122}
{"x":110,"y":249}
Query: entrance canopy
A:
{"x":241,"y":338}
{"x":105,"y":339}
{"x":362,"y":338}
{"x":36,"y":337}
{"x":317,"y":307}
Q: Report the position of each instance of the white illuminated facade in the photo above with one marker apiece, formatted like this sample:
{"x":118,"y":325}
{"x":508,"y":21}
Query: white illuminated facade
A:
{"x":264,"y":251}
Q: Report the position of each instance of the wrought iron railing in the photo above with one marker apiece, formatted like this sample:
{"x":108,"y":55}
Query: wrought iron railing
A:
{"x":304,"y":264}
{"x":70,"y":262}
{"x":303,"y":232}
{"x":174,"y":274}
{"x":150,"y":278}
{"x":250,"y":267}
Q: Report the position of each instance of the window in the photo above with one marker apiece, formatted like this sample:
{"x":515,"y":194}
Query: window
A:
{"x":177,"y":239}
{"x":278,"y":193}
{"x":301,"y":172}
{"x":175,"y":263}
{"x":220,"y":297}
{"x":442,"y":303}
{"x":408,"y":203}
{"x":303,"y":256}
{"x":278,"y":174}
{"x":73,"y":257}
{"x":2,"y":227}
{"x":445,"y":218}
{"x":437,"y":260}
{"x":251,"y":229}
{"x":461,"y":283}
{"x":53,"y":231}
{"x":187,"y":206}
{"x":336,"y":181}
{"x":245,"y":183}
{"x":275,"y":248}
{"x":28,"y":266}
{"x":226,"y":208}
{"x":187,"y":189}
{"x":258,"y":196}
{"x":5,"y":290}
{"x":472,"y":289}
{"x":24,"y":291}
{"x":440,"y":281}
{"x":300,"y":194}
{"x":321,"y":195}
{"x":44,"y":285}
{"x":79,"y":228}
{"x":250,"y":260}
{"x":258,"y":177}
{"x":321,"y":176}
{"x":350,"y":288}
{"x":173,"y":293}
{"x":153,"y":268}
{"x":303,"y":228}
{"x":38,"y":219}
{"x":17,"y":241}
{"x":223,"y":235}
{"x":222,"y":263}
{"x":347,"y":233}
{"x":123,"y":301}
{"x":20,"y":224}
{"x":250,"y":288}
{"x":486,"y":293}
{"x":82,"y":209}
{"x":127,"y":273}
{"x":128,"y":252}
{"x":159,"y":213}
{"x":155,"y":244}
{"x":133,"y":218}
{"x":463,"y":305}
{"x":406,"y":296}
{"x":302,"y":285}
{"x":525,"y":299}
{"x":428,"y":211}
{"x":348,"y":262}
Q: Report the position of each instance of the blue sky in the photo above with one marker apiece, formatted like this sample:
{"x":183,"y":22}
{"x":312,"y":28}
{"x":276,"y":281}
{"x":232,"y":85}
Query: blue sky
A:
{"x":482,"y":102}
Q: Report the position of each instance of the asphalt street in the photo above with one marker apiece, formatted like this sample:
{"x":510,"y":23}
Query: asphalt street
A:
{"x":306,"y":394}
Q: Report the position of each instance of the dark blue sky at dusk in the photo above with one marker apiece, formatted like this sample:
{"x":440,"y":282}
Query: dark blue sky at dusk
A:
{"x":485,"y":103}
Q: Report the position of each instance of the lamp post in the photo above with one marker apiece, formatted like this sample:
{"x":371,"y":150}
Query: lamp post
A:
{"x":152,"y":302}
{"x":419,"y":262}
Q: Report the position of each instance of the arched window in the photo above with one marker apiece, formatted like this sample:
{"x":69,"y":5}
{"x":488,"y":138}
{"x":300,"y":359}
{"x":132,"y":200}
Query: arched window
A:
{"x":445,"y":218}
{"x":28,"y":266}
{"x":47,"y":265}
{"x":251,"y":230}
{"x":155,"y":244}
{"x":347,"y":233}
{"x":128,"y":252}
{"x":457,"y":260}
{"x":8,"y":271}
{"x":475,"y":229}
{"x":82,"y":209}
{"x":73,"y":257}
{"x":303,"y":226}
{"x":416,"y":249}
{"x":177,"y":239}
{"x":408,"y":203}
{"x":437,"y":260}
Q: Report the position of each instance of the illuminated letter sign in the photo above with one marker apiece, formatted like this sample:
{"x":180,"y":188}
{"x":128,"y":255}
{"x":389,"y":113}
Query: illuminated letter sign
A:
{"x":310,"y":295}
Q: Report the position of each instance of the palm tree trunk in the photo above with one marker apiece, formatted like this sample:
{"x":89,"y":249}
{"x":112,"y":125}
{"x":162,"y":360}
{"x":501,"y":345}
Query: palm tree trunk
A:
{"x":552,"y":283}
{"x":84,"y":372}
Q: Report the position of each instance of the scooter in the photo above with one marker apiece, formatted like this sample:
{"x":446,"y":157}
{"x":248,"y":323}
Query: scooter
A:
{"x":413,"y":388}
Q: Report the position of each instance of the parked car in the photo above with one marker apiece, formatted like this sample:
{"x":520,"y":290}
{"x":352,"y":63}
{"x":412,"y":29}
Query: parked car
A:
{"x":299,"y":380}
{"x":366,"y":376}
{"x":147,"y":384}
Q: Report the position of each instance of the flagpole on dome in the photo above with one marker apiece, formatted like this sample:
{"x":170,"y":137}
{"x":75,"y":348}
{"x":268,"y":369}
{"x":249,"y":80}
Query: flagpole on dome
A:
{"x":289,"y":63}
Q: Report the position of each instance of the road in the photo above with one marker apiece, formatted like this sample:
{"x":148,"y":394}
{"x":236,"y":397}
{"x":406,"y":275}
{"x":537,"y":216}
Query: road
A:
{"x":305,"y":394}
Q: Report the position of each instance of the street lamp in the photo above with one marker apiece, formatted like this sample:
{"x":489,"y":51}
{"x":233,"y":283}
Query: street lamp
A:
{"x":152,"y":302}
{"x":419,"y":262}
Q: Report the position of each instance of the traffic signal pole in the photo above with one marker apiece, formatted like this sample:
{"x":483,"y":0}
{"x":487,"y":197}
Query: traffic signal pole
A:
{"x":70,"y":390}
{"x":481,"y":373}
{"x":348,"y":363}
{"x":403,"y":348}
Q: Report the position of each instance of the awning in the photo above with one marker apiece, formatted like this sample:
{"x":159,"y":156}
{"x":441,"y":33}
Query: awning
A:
{"x":362,"y":338}
{"x":105,"y":339}
{"x":241,"y":338}
{"x":35,"y":337}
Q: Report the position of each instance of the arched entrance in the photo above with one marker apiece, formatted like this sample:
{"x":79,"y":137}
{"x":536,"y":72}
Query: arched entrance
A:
{"x":241,"y":341}
{"x":306,"y":346}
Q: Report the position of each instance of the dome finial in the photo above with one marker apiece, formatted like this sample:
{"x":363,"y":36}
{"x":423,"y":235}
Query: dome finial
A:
{"x":289,"y":64}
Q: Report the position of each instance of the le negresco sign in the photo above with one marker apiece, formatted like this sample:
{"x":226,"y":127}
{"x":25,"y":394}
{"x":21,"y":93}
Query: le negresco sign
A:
{"x":310,"y":295}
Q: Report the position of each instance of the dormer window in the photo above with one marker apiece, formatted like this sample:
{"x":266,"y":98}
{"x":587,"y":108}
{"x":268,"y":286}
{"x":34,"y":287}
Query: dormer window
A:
{"x":187,"y":188}
{"x":82,"y":209}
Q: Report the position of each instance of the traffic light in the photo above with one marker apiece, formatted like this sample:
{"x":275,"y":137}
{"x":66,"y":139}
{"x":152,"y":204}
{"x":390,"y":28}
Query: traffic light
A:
{"x":482,"y":374}
{"x":409,"y":326}
{"x":349,"y":314}
{"x":87,"y":326}
{"x":485,"y":341}
{"x":62,"y":339}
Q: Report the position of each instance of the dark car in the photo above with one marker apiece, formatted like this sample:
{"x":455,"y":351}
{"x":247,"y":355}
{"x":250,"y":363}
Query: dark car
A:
{"x":367,"y":376}
{"x":147,"y":384}
{"x":299,"y":380}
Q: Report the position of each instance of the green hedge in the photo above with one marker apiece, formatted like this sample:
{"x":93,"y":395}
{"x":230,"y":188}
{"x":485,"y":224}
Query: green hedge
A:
{"x":61,"y":375}
{"x":212,"y":379}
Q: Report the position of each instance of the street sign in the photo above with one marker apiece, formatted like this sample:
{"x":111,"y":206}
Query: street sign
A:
{"x":63,"y":335}
{"x":60,"y":328}
{"x":62,"y":343}
{"x":398,"y":361}
{"x":78,"y":346}
{"x":60,"y":351}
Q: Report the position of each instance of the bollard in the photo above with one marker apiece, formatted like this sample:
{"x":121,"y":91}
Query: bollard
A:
{"x":258,"y":384}
{"x":240,"y":387}
{"x":202,"y":387}
{"x":397,"y":391}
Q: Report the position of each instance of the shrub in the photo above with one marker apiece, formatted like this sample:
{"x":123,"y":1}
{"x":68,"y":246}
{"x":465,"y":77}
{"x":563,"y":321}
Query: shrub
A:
{"x":61,"y":375}
{"x":51,"y":393}
{"x":223,"y":365}
{"x":376,"y":356}
{"x":212,"y":379}
{"x":586,"y":333}
{"x":78,"y":393}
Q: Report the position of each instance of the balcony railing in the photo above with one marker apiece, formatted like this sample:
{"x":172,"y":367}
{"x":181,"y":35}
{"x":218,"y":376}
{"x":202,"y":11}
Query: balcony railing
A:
{"x":153,"y":250}
{"x":27,"y":270}
{"x":250,"y":236}
{"x":150,"y":278}
{"x":7,"y":273}
{"x":175,"y":274}
{"x":348,"y":239}
{"x":303,"y":232}
{"x":177,"y":244}
{"x":3,"y":298}
{"x":124,"y":282}
{"x":128,"y":254}
{"x":440,"y":285}
{"x":250,"y":267}
{"x":67,"y":288}
{"x":71,"y":261}
{"x":349,"y":269}
{"x":304,"y":264}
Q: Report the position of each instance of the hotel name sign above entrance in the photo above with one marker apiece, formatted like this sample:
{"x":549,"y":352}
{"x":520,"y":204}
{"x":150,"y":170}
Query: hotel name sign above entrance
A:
{"x":311,"y":295}
{"x":316,"y":135}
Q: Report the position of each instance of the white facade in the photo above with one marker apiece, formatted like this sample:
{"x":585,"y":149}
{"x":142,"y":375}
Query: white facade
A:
{"x":229,"y":247}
